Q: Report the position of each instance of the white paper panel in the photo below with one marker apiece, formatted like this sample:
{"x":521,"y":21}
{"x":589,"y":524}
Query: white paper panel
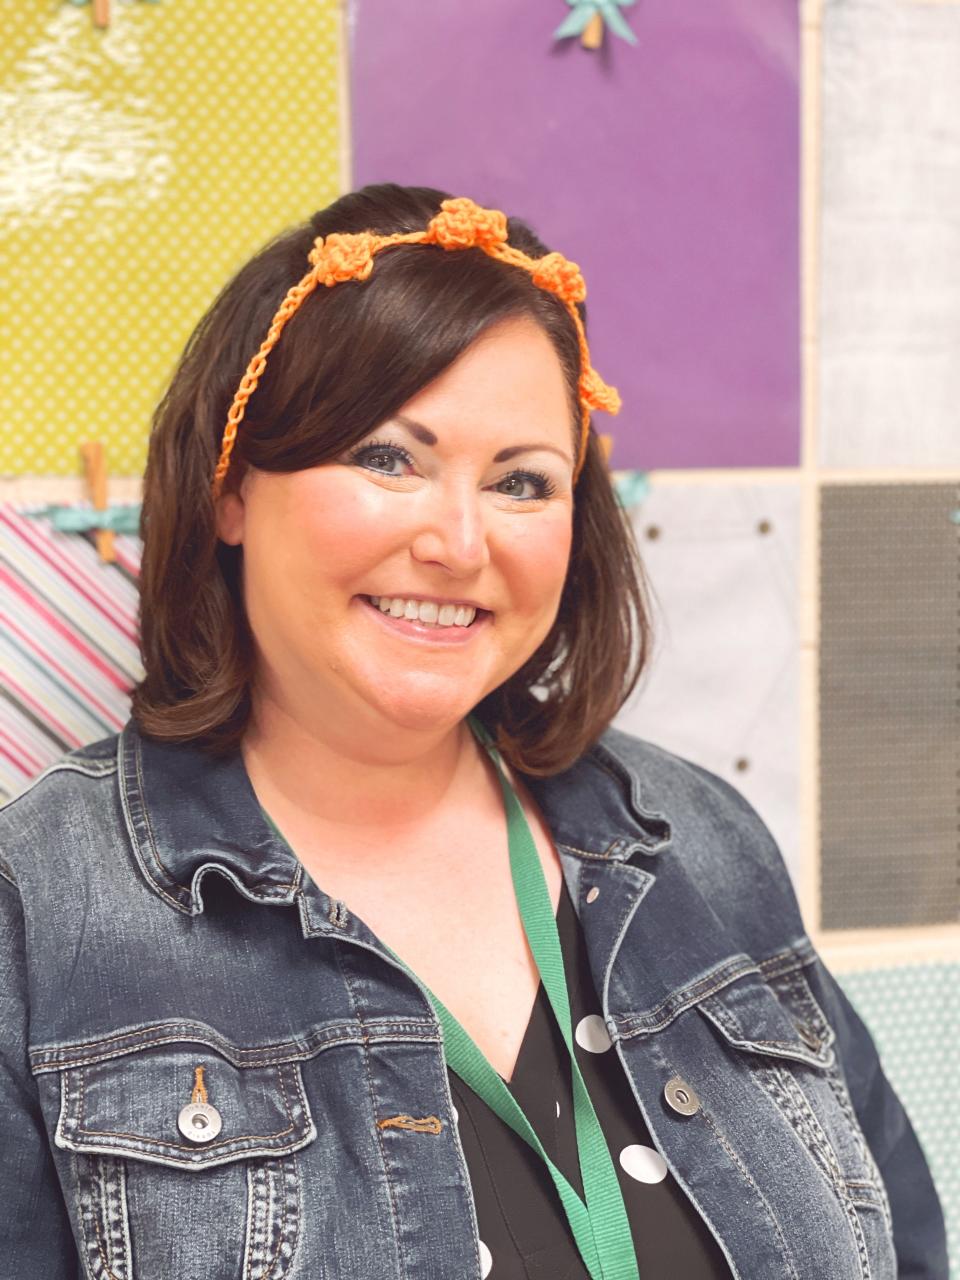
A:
{"x":889,"y":267}
{"x":723,"y":683}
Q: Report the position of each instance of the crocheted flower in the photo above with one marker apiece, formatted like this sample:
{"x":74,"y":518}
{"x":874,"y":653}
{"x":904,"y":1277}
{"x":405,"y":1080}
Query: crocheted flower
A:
{"x":462,"y":224}
{"x":560,"y":276}
{"x":597,"y":394}
{"x":342,"y":256}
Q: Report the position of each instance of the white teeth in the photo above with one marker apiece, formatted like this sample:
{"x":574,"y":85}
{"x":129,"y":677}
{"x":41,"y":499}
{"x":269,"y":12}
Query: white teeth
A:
{"x":445,"y":615}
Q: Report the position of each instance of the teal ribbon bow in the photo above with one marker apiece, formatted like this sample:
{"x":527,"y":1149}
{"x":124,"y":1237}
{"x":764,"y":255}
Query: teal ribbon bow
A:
{"x":631,"y":487}
{"x":120,"y":517}
{"x":576,"y":22}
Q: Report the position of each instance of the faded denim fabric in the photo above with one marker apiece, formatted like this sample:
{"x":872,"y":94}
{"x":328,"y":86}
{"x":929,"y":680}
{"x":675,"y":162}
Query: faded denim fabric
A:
{"x":153,"y":923}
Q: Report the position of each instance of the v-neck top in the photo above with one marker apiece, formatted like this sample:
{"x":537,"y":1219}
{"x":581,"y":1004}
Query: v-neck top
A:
{"x":524,"y":1232}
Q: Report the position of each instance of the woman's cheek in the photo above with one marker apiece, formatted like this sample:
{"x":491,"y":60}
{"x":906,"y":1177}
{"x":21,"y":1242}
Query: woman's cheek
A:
{"x":540,"y":549}
{"x":342,"y":522}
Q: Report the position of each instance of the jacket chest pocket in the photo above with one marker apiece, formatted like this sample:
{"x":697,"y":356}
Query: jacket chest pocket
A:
{"x":779,"y":1038}
{"x":183,"y":1173}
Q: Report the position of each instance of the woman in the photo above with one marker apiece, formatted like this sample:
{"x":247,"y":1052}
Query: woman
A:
{"x":545,"y":1007}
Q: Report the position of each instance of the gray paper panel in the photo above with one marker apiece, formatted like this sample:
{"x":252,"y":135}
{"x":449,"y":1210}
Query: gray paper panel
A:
{"x":889,"y":721}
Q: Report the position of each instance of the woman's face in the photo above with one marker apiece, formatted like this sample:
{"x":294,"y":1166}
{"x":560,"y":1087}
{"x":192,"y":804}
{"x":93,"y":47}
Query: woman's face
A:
{"x":407,"y":518}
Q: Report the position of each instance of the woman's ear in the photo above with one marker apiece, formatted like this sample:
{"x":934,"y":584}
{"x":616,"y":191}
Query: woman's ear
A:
{"x":229,"y":518}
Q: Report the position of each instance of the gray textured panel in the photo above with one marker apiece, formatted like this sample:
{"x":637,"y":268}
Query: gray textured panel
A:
{"x":889,"y":720}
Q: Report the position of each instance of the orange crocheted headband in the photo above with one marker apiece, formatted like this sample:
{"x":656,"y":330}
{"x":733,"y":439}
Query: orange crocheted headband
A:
{"x":460,"y":224}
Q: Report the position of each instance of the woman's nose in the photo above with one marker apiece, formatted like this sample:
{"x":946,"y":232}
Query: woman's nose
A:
{"x":454,"y":530}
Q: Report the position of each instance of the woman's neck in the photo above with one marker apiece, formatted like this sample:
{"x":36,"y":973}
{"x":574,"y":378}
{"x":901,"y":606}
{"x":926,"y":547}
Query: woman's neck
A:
{"x":361,"y":791}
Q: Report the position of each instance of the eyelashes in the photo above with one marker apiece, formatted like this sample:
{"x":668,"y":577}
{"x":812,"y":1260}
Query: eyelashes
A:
{"x":545,"y":486}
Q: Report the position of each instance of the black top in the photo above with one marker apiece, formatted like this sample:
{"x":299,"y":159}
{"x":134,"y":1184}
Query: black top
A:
{"x":524,"y":1232}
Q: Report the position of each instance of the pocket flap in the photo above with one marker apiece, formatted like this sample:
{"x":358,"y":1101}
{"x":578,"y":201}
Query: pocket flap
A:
{"x":131,"y":1106}
{"x":778,"y":1020}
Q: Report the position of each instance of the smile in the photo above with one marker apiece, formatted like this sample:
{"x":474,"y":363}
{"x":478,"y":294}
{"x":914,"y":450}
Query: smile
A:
{"x":431,"y":632}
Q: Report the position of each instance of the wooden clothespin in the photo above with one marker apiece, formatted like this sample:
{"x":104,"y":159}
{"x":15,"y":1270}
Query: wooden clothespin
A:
{"x":95,"y":474}
{"x":101,"y":13}
{"x":592,"y":36}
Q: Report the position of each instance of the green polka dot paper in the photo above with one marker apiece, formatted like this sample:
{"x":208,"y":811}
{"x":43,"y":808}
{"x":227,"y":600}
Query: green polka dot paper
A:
{"x":913,"y":1014}
{"x":142,"y":165}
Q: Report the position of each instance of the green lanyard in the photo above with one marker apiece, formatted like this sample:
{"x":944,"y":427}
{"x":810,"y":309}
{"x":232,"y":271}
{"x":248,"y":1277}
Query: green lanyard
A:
{"x":600,"y":1227}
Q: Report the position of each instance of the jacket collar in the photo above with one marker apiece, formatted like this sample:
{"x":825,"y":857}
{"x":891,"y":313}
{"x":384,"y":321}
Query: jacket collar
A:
{"x":188,"y":813}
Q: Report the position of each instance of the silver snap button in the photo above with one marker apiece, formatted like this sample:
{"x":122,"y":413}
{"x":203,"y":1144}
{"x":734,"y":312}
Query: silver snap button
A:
{"x":199,"y":1121}
{"x":681,"y":1097}
{"x":593,"y":894}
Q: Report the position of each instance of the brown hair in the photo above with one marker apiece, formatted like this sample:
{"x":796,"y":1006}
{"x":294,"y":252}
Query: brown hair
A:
{"x":351,"y":357}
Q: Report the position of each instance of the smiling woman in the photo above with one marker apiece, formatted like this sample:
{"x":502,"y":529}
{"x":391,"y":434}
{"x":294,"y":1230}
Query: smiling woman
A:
{"x":369,"y":947}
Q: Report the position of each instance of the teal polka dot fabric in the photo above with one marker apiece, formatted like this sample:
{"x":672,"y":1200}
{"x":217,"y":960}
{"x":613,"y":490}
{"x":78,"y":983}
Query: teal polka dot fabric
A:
{"x":913,"y":1014}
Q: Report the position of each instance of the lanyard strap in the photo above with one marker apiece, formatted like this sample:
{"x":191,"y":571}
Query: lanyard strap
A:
{"x":600,"y":1227}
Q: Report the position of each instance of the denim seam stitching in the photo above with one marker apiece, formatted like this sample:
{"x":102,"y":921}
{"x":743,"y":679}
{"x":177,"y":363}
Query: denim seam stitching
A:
{"x":113,"y":1173}
{"x":246,"y":1060}
{"x":591,"y":853}
{"x":807,"y":1120}
{"x":267,"y":893}
{"x":285,"y":1170}
{"x":378,"y":1131}
{"x":763,"y":1200}
{"x":630,"y":777}
{"x":874,"y":1180}
{"x":142,"y":814}
{"x":87,"y":1207}
{"x":788,"y":961}
{"x":692,"y":995}
{"x":282,"y":1177}
{"x":298,"y":1085}
{"x":138,"y":763}
{"x":60,"y":766}
{"x":104,"y":1192}
{"x":290,"y":1172}
{"x":734,"y":1028}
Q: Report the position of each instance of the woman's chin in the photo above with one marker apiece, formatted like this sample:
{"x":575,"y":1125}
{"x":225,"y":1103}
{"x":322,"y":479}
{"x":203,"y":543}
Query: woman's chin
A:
{"x":424,"y":710}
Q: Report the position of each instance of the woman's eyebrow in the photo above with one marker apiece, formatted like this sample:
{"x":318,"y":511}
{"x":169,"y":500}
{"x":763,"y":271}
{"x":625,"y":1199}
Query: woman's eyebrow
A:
{"x":428,"y":437}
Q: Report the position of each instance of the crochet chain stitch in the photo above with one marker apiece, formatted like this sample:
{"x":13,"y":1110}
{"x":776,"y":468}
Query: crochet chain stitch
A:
{"x":460,"y":224}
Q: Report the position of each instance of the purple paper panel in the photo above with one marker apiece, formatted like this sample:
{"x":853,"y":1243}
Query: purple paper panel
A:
{"x":667,"y":169}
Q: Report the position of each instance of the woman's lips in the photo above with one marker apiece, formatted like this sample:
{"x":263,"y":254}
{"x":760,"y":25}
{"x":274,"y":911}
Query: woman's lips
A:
{"x":418,"y":630}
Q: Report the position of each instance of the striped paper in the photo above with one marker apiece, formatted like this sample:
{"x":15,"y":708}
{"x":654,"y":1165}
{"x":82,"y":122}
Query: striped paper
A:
{"x":68,"y":642}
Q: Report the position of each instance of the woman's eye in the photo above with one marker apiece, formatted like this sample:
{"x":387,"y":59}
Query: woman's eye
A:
{"x":543,"y":486}
{"x":381,"y":450}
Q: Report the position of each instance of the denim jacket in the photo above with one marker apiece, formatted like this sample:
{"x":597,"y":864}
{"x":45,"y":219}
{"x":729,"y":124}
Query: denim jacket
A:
{"x":154,"y":923}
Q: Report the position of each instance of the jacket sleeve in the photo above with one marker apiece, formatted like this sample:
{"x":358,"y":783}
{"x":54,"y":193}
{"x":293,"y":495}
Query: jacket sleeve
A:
{"x":919,"y":1233}
{"x":36,"y":1241}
